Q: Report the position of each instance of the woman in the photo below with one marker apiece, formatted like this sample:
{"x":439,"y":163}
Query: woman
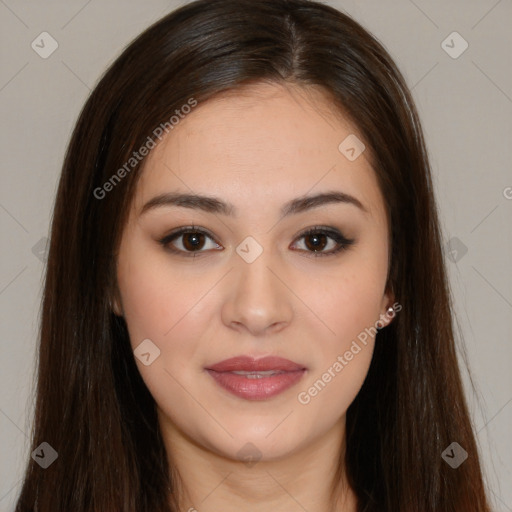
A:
{"x":246,"y":305}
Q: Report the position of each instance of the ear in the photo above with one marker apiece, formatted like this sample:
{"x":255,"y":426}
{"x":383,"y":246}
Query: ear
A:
{"x":389,"y":309}
{"x":115,"y":303}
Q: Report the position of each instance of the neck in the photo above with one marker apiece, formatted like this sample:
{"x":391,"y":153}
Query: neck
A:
{"x":302,"y":480}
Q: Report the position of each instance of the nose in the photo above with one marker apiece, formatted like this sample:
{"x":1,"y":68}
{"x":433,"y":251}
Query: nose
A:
{"x":258,"y":298}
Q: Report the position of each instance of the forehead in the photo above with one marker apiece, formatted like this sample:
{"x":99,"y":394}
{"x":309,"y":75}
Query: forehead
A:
{"x":259,"y":145}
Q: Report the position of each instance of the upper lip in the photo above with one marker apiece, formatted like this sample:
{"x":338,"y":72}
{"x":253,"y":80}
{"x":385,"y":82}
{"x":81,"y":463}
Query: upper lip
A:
{"x":251,"y":364}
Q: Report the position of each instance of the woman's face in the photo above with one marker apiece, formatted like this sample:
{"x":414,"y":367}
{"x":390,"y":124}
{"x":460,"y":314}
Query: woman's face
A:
{"x":246,"y":282}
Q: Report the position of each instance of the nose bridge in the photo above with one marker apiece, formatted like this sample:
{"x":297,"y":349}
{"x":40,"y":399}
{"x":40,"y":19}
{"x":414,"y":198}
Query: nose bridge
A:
{"x":257,"y":298}
{"x":255,"y":278}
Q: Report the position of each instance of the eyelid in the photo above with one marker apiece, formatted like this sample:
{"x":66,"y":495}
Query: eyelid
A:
{"x":334,"y":233}
{"x":331,"y":232}
{"x":176,"y":233}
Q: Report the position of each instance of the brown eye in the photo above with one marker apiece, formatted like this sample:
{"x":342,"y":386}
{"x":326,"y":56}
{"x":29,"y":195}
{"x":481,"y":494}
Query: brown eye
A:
{"x":318,"y":238}
{"x":193,"y":241}
{"x":189,"y":241}
{"x":316,"y":242}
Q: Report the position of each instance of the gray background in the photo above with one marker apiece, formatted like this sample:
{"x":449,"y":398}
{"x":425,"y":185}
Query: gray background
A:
{"x":465,"y":104}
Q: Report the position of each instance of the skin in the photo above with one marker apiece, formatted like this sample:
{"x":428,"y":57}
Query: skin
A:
{"x":256,"y":149}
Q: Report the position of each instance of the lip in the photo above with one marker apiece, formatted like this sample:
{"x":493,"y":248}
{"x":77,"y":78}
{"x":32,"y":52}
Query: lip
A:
{"x":251,"y":364}
{"x":254,"y":386}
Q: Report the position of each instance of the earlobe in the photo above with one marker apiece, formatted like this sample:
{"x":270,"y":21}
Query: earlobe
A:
{"x":389,"y":310}
{"x":116,"y":309}
{"x":115,"y":304}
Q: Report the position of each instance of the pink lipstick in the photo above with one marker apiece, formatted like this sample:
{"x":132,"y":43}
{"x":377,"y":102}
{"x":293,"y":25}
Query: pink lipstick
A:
{"x":256,"y":379}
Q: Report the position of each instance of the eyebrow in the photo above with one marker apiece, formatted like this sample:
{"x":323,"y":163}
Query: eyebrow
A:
{"x":215,"y":205}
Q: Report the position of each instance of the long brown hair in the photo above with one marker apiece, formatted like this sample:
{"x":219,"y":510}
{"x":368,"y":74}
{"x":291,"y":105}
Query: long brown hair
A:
{"x":92,"y":406}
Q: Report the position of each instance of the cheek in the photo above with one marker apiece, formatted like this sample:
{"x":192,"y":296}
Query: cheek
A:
{"x":342,"y":361}
{"x":349,"y":301}
{"x":157,"y":300}
{"x":173,"y":312}
{"x":349,"y":304}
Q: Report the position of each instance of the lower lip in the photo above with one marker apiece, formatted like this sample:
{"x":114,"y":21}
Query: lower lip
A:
{"x":258,"y":388}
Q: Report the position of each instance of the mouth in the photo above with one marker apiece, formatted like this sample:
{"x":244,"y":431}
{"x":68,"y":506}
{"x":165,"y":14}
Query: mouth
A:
{"x":256,"y":379}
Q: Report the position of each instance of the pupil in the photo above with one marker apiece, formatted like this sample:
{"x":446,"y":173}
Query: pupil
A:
{"x":192,"y":240}
{"x":318,"y":241}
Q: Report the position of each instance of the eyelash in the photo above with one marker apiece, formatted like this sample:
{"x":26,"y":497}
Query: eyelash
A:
{"x":334,"y":234}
